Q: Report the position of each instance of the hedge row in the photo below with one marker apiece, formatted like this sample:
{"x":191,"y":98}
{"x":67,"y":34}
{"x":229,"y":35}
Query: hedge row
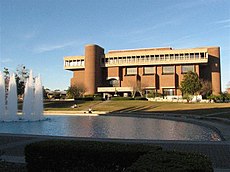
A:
{"x":128,"y":98}
{"x":62,"y":155}
{"x":84,"y":156}
{"x":170,"y":161}
{"x":96,"y":98}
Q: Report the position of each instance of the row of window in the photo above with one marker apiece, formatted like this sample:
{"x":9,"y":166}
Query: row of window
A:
{"x":74,"y":63}
{"x":166,"y":91}
{"x":165,"y":70}
{"x":146,"y":58}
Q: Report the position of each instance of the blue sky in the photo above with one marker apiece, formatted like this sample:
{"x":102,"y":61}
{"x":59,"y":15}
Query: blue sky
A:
{"x":39,"y":33}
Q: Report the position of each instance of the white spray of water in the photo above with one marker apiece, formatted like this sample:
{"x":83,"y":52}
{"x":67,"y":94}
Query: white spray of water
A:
{"x":28,"y":102}
{"x":32,"y":103}
{"x":12,"y":100}
{"x":38,"y":99}
{"x":2,"y":98}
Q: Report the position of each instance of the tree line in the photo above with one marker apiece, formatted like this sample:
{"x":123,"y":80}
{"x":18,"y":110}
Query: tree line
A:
{"x":21,"y":76}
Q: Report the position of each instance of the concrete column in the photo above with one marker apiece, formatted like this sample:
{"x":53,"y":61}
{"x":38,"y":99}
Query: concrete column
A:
{"x":93,"y":72}
{"x":214,"y":62}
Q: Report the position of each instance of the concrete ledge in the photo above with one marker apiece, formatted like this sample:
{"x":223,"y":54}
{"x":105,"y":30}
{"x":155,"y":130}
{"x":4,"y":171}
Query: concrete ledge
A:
{"x":76,"y":113}
{"x":13,"y":159}
{"x":216,"y":151}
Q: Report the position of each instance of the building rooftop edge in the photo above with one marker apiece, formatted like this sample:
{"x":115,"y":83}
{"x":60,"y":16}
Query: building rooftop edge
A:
{"x":141,"y":49}
{"x":76,"y":56}
{"x":96,"y":45}
{"x":91,"y":45}
{"x":158,"y":49}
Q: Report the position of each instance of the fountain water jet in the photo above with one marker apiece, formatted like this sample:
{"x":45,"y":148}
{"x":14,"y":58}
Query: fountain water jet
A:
{"x":12,"y":100}
{"x":2,"y":98}
{"x":38,"y":99}
{"x":32,"y":104}
{"x":28,"y":102}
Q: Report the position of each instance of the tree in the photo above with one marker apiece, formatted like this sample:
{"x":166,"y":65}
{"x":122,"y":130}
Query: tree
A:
{"x":188,"y":97}
{"x":206,"y":89}
{"x":190,"y":84}
{"x":6,"y":74}
{"x":21,"y":76}
{"x":45,"y":96}
{"x":75,"y":91}
{"x":56,"y":94}
{"x":136,"y":88}
{"x":228,"y":87}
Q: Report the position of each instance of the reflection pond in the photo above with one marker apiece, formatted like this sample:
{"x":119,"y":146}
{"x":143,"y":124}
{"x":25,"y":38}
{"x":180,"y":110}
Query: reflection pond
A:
{"x":112,"y":127}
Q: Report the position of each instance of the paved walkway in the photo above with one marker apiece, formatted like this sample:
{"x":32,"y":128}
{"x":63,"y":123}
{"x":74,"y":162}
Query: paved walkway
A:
{"x":12,"y":147}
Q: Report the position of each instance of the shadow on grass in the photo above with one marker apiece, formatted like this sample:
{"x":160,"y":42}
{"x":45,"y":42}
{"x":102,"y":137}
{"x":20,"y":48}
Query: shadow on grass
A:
{"x":60,"y":104}
{"x":218,"y":112}
{"x":136,"y":109}
{"x":148,"y":109}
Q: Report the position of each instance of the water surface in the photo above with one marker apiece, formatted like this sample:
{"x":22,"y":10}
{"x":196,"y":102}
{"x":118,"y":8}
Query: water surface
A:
{"x":112,"y":127}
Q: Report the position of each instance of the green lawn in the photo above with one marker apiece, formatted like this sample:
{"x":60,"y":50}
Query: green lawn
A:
{"x":214,"y":109}
{"x":65,"y":105}
{"x":167,"y":107}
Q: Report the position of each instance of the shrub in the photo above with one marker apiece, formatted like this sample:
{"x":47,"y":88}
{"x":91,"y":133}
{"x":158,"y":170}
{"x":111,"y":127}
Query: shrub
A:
{"x":98,"y":97}
{"x":75,"y":91}
{"x":188,"y":97}
{"x":223,"y":97}
{"x":141,"y":98}
{"x":153,"y":94}
{"x":84,"y":156}
{"x":128,"y":98}
{"x":95,"y":97}
{"x":169,"y":161}
{"x":122,"y":98}
{"x":63,"y":155}
{"x":85,"y":98}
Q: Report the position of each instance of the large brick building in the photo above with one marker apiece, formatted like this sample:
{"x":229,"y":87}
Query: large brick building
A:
{"x":157,"y":69}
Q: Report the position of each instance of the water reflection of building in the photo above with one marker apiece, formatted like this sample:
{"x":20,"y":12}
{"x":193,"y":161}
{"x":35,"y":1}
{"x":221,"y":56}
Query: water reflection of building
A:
{"x":153,"y":69}
{"x":120,"y":127}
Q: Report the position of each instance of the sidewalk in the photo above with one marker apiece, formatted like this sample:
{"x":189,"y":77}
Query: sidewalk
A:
{"x":13,"y":145}
{"x":219,"y":152}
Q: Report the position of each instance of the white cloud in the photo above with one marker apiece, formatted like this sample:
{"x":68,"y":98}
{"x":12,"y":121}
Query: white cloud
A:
{"x":182,"y":5}
{"x":221,"y":24}
{"x":156,"y":26}
{"x":181,"y":39}
{"x":134,"y":32}
{"x":5,"y":60}
{"x":30,"y":35}
{"x":222,"y":21}
{"x":45,"y":47}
